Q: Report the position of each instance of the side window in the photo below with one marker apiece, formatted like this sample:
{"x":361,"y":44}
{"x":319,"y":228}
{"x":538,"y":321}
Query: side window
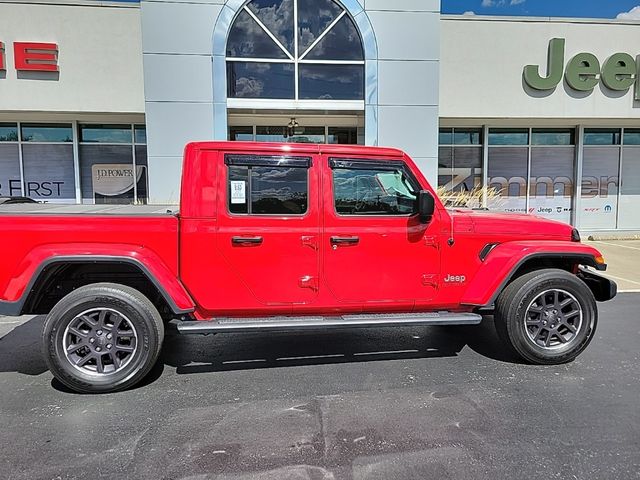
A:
{"x":364,"y":188}
{"x":259,"y":185}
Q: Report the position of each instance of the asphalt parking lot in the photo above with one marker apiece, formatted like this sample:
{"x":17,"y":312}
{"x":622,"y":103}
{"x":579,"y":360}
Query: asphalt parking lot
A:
{"x":410,"y":403}
{"x":623,"y":259}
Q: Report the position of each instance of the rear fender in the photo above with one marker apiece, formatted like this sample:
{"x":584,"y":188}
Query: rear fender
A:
{"x":151,"y":265}
{"x":503,"y":261}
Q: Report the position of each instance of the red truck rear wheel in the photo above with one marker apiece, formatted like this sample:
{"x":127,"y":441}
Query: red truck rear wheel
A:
{"x":102,"y":337}
{"x":547,"y":316}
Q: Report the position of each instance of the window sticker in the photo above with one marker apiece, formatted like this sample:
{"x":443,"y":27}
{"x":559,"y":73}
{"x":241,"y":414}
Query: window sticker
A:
{"x":238,"y":192}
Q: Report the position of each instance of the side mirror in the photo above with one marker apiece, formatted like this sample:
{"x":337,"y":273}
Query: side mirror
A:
{"x":426,"y":206}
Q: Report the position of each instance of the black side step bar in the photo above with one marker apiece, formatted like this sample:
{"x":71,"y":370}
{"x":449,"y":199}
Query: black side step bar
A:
{"x":239,"y":325}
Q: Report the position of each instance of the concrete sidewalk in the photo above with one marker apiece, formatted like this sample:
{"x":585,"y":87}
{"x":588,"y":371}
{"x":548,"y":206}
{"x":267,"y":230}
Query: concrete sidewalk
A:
{"x":623,"y":259}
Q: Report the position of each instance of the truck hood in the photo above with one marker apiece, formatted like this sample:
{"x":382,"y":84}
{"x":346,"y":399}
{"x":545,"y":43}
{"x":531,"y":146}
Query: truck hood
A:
{"x":519,"y":225}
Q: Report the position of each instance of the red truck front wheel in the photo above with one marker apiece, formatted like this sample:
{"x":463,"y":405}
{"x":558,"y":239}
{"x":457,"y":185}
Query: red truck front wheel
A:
{"x":102,"y":337}
{"x":547,"y":316}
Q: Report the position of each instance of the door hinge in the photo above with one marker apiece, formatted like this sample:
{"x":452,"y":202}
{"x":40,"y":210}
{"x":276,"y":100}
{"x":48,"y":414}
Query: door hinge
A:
{"x":309,"y":241}
{"x":308,"y":281}
{"x":432,"y":242}
{"x":429,"y":280}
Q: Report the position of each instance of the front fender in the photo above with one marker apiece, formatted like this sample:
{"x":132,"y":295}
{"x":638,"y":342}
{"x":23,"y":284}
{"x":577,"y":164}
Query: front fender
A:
{"x":503,"y":261}
{"x":26,"y":274}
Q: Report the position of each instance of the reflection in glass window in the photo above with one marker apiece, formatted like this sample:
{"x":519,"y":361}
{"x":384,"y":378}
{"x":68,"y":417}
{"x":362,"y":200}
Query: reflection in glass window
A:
{"x":314,"y":16}
{"x":445,"y":136}
{"x":10,"y":180}
{"x":49,"y":173}
{"x":331,"y":82}
{"x":341,"y":43}
{"x":373,"y":192}
{"x":599,"y":192}
{"x":277,"y":16}
{"x":41,"y":132}
{"x":602,"y":136}
{"x":105,"y":133}
{"x":557,"y":136}
{"x":260,"y":80}
{"x":141,"y":134}
{"x":8,"y":132}
{"x":241,"y":134}
{"x":307,"y":135}
{"x":271,"y":134}
{"x":467,"y":136}
{"x":631,"y":136}
{"x":507,"y":173}
{"x":508,"y":136}
{"x":264,"y":30}
{"x":551,"y":182}
{"x":460,"y":168}
{"x":248,"y":39}
{"x":343,"y":135}
{"x":268,"y":190}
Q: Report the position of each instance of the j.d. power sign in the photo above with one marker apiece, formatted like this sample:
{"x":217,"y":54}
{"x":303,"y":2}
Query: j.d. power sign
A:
{"x":583,"y":71}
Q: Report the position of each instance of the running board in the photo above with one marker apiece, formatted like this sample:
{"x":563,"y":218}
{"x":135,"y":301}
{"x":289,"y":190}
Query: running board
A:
{"x":244,"y":325}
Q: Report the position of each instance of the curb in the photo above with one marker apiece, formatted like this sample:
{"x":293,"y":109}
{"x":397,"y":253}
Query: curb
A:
{"x":595,"y":238}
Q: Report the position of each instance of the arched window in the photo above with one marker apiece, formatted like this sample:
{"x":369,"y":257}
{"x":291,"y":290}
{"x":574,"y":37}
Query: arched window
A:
{"x":296,"y":50}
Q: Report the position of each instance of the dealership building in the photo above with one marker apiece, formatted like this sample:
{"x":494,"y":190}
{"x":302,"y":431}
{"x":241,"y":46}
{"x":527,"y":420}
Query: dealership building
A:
{"x":98,"y":98}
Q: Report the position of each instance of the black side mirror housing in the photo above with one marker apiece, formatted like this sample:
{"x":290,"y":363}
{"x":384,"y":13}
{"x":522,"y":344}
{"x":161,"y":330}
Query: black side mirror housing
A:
{"x":426,"y":206}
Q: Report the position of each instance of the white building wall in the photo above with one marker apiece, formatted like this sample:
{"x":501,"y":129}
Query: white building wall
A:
{"x":483,"y":61}
{"x":100,"y":58}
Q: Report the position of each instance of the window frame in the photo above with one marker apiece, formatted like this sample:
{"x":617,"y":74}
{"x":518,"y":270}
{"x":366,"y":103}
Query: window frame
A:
{"x":257,"y":160}
{"x":345,"y":163}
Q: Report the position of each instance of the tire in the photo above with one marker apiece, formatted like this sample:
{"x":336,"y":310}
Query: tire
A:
{"x":102,"y":337}
{"x":525,"y":319}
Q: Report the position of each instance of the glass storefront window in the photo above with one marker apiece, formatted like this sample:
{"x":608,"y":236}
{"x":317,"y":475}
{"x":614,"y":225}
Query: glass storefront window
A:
{"x":445,"y":136}
{"x":602,"y":136}
{"x":341,"y":43}
{"x":599,"y":198}
{"x":551,"y":182}
{"x":507,"y":173}
{"x":141,"y":134}
{"x":49,"y":172}
{"x":467,"y":136}
{"x":241,"y":134}
{"x":631,"y":136}
{"x":10,"y":181}
{"x":508,"y":136}
{"x":8,"y":132}
{"x":343,"y":135}
{"x":105,"y":133}
{"x":41,"y":132}
{"x":564,"y":136}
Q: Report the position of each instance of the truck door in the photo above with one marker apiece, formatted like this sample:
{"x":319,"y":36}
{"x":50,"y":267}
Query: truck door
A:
{"x":268,"y":229}
{"x":376,"y":250}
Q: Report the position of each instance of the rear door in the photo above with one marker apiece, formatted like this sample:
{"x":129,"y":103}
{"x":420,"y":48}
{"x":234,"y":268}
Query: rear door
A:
{"x":268,"y":228}
{"x":377,"y":251}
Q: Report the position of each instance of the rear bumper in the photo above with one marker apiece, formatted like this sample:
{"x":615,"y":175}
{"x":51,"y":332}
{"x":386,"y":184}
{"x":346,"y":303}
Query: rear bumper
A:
{"x":603,"y":289}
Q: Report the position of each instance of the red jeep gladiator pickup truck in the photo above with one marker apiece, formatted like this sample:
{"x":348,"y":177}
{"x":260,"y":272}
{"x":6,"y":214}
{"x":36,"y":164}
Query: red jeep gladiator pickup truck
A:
{"x":274,"y":237}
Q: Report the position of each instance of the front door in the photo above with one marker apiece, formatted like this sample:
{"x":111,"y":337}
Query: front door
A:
{"x":377,"y":251}
{"x":268,"y":228}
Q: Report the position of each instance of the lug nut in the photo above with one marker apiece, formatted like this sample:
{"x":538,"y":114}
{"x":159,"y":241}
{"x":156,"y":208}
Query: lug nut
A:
{"x":99,"y":332}
{"x":109,"y":345}
{"x":98,"y":349}
{"x":91,"y":340}
{"x":109,"y":336}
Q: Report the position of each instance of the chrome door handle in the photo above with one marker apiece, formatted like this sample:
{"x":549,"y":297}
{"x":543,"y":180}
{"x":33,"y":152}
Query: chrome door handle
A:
{"x":345,"y":240}
{"x":246,"y":240}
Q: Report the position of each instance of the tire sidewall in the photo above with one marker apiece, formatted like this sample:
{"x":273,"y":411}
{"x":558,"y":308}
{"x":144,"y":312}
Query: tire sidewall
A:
{"x":518,"y":312}
{"x":64,"y":313}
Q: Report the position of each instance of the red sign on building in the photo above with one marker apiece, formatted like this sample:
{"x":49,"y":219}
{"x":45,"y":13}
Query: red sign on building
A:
{"x":32,"y":57}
